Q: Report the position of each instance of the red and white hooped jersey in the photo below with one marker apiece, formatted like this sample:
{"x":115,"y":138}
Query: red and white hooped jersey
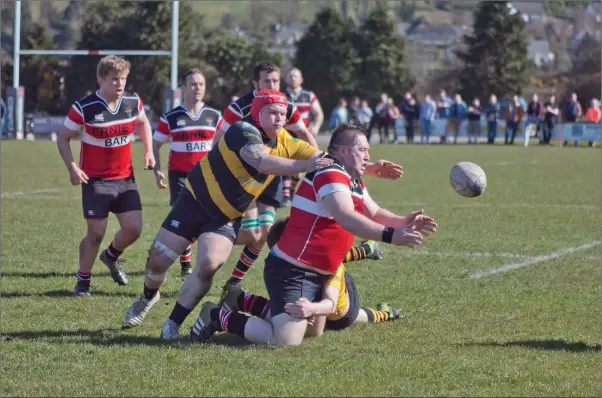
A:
{"x":191,"y":136}
{"x":106,"y":138}
{"x":312,"y":237}
{"x":242,"y":108}
{"x":305,"y":101}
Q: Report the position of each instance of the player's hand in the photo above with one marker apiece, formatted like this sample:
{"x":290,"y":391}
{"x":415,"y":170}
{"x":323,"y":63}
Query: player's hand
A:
{"x":77,"y":176}
{"x":318,"y":163}
{"x":149,"y":160}
{"x":406,"y":236}
{"x":160,"y":179}
{"x":385,"y":169}
{"x":418,"y":222}
{"x":301,"y":309}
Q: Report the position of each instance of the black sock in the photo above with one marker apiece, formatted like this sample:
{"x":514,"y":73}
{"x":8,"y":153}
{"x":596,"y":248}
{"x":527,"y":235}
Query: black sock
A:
{"x":84,"y":277}
{"x":149,"y":293}
{"x":179,"y":313}
{"x":112,"y":252}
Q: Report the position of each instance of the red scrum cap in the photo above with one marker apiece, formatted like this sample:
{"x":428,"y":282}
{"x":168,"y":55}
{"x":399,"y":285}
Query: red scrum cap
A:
{"x":264,"y":98}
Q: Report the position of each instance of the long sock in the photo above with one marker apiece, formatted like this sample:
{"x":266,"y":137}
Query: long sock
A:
{"x":186,"y":256}
{"x":286,"y":187}
{"x":113,"y":253}
{"x":255,"y":305}
{"x":149,"y":293}
{"x":358,"y":253}
{"x":376,"y":316}
{"x":84,"y":277}
{"x":232,"y":322}
{"x":246,"y":260}
{"x":294,"y":184}
{"x":179,"y":313}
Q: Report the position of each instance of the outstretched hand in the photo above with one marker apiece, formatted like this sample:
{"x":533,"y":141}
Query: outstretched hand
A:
{"x":385,"y":169}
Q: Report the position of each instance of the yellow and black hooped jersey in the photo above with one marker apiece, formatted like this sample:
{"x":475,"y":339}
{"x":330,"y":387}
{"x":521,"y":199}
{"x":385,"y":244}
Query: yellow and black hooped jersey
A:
{"x":338,"y":280}
{"x":224,"y":184}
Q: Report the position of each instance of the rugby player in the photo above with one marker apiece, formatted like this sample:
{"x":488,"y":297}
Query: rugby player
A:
{"x":190,"y":127}
{"x":258,"y":219}
{"x":218,"y":191}
{"x":108,"y":117}
{"x":308,"y":105}
{"x":331,"y":207}
{"x":340,"y":289}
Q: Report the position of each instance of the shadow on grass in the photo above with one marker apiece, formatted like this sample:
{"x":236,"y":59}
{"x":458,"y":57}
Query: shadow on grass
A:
{"x":43,"y":275}
{"x":547,"y":345}
{"x":69,"y":293}
{"x":114,"y":336}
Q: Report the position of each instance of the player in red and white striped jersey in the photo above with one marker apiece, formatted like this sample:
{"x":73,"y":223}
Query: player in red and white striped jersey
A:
{"x":309,"y":106}
{"x":108,"y":119}
{"x":190,"y":127}
{"x":331,"y":207}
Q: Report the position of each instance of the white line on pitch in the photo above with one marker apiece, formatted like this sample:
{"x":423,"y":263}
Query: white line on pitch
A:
{"x":507,"y":205}
{"x":534,"y":260}
{"x":463,"y":254}
{"x":27,"y":193}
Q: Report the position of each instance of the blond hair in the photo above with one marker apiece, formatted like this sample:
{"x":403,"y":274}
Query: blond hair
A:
{"x":112,"y":63}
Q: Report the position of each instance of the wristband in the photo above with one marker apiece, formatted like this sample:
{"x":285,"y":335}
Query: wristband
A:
{"x":388,"y":234}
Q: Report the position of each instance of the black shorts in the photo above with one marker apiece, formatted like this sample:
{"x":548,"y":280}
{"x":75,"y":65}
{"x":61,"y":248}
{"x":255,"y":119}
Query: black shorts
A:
{"x":286,"y":283}
{"x":189,"y":220}
{"x":354,"y":307}
{"x":101,"y":196}
{"x":176,"y":180}
{"x":270,"y":194}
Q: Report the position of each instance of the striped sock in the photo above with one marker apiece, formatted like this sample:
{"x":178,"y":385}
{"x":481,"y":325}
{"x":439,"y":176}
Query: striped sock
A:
{"x":232,"y":322}
{"x":251,"y":223}
{"x":266,"y":218}
{"x":358,"y":253}
{"x":254,"y":305}
{"x":84,"y":277}
{"x":376,"y":316}
{"x":246,"y":260}
{"x":286,"y":187}
{"x":186,"y":256}
{"x":113,"y":253}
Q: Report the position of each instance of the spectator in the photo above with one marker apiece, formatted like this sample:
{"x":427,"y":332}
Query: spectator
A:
{"x":572,"y":112}
{"x":513,"y":116}
{"x":364,"y":116}
{"x":379,"y":115}
{"x":339,"y":115}
{"x":428,"y":109}
{"x":2,"y":117}
{"x":353,"y":107}
{"x":410,"y":114}
{"x":391,"y":119}
{"x":593,"y":115}
{"x":533,"y":116}
{"x":443,"y":105}
{"x":491,"y":113}
{"x":549,"y":119}
{"x":474,"y":121}
{"x":457,"y":113}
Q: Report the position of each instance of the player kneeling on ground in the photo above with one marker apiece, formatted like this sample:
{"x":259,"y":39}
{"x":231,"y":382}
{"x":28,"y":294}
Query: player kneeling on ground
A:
{"x":331,"y":207}
{"x":340,"y":289}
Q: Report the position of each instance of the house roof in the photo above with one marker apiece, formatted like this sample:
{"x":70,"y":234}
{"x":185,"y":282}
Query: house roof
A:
{"x":434,"y":35}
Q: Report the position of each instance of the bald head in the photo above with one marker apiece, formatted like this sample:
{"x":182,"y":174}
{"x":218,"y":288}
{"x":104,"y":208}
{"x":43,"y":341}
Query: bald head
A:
{"x":294,"y":78}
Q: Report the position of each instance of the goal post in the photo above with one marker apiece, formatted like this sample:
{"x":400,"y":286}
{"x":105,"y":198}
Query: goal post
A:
{"x":15,"y":95}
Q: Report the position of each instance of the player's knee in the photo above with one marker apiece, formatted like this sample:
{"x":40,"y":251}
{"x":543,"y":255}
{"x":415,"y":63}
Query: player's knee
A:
{"x":207,"y":266}
{"x":95,"y":235}
{"x":160,"y":257}
{"x":132,"y":231}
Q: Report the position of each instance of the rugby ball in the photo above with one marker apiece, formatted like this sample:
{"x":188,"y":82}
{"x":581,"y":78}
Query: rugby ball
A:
{"x":468,"y":179}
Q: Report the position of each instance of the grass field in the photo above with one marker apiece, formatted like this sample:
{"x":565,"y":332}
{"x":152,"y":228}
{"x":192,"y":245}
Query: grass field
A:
{"x":529,"y":329}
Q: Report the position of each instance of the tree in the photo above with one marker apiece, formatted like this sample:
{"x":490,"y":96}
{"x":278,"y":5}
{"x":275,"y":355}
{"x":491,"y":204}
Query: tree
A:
{"x":585,"y":75}
{"x":234,"y":59}
{"x":382,"y":68}
{"x":327,"y":57}
{"x":495,"y":59}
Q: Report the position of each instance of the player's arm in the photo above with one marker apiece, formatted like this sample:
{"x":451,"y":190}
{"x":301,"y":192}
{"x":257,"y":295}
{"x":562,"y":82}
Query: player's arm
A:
{"x":145,"y":132}
{"x":161,"y":135}
{"x":303,"y":308}
{"x":256,"y":155}
{"x":318,"y":116}
{"x":231,"y":115}
{"x":71,"y":126}
{"x":424,"y":224}
{"x":296,"y":125}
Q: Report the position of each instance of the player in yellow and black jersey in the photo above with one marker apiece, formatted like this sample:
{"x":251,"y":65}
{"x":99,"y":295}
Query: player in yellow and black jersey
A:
{"x":219,"y":189}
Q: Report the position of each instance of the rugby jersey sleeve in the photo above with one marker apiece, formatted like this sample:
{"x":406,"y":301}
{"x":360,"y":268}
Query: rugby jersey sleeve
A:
{"x":162,"y":133}
{"x":242,"y":134}
{"x":231,"y":115}
{"x":330,"y":180}
{"x":75,"y":117}
{"x":141,"y":111}
{"x":295,"y":122}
